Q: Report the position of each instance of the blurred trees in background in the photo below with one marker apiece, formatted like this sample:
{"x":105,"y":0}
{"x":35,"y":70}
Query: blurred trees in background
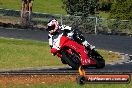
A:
{"x":119,"y":9}
{"x":80,"y":7}
{"x":104,"y":5}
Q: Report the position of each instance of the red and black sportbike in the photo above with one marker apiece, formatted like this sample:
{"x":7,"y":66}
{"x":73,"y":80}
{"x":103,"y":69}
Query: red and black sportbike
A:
{"x":73,"y":52}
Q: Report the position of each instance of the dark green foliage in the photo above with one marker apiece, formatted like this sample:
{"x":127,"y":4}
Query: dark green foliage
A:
{"x":104,"y":6}
{"x":122,"y":9}
{"x":80,"y":7}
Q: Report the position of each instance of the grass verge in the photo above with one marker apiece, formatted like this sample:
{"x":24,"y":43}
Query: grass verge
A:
{"x":26,"y":53}
{"x":74,"y":85}
{"x":44,"y":6}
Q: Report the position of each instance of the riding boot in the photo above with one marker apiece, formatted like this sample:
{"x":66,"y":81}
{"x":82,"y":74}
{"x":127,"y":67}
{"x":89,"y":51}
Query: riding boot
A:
{"x":87,"y":45}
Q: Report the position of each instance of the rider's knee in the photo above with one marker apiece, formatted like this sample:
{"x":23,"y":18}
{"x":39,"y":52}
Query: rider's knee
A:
{"x":53,"y":50}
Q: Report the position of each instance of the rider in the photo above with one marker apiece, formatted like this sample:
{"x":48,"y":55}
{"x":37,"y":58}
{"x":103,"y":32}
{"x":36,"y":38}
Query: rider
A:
{"x":54,"y":31}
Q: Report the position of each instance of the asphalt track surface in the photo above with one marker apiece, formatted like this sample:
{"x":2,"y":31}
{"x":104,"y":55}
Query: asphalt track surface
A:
{"x":119,"y":68}
{"x":121,"y":44}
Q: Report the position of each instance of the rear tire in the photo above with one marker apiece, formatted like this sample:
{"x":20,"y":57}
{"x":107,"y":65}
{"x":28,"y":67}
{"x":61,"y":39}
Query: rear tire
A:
{"x":72,"y":60}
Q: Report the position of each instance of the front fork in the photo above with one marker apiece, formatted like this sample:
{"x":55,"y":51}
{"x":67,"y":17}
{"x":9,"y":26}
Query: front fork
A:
{"x":81,"y":39}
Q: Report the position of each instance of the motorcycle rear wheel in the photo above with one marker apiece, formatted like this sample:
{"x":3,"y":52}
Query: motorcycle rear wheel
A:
{"x":72,"y":60}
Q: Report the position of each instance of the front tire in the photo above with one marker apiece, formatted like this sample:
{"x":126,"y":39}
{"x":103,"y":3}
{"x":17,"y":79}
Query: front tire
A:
{"x":98,"y":58}
{"x":100,"y":64}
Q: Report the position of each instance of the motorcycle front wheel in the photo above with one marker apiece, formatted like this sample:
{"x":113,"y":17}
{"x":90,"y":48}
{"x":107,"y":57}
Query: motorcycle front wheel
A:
{"x":73,"y":59}
{"x":98,"y":58}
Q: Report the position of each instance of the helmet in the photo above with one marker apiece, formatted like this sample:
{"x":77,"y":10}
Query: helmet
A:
{"x":50,"y":24}
{"x":51,"y":27}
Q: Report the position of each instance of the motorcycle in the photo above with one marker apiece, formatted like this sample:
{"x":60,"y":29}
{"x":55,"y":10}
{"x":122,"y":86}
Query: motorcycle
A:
{"x":74,"y":53}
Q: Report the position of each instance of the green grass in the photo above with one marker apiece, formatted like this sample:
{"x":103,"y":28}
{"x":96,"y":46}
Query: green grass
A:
{"x":44,"y":6}
{"x":103,"y":14}
{"x":72,"y":85}
{"x":26,"y":53}
{"x":109,"y":56}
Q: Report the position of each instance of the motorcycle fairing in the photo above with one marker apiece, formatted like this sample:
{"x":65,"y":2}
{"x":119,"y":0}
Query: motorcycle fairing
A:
{"x":66,"y":42}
